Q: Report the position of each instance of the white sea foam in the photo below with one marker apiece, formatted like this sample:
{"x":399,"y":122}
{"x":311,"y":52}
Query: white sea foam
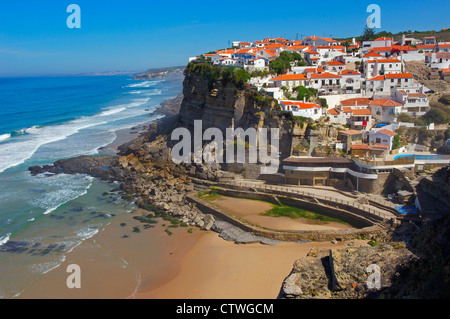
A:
{"x":16,"y":151}
{"x":4,"y":137}
{"x":144,"y":84}
{"x":62,"y":188}
{"x":4,"y":239}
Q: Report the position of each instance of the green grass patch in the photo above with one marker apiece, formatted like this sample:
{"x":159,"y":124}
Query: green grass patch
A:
{"x":209,"y":196}
{"x":295,"y":213}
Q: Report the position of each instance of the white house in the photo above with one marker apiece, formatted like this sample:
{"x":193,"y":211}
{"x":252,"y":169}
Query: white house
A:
{"x":415,"y":104}
{"x":298,"y":108}
{"x":318,"y":41}
{"x":351,"y":81}
{"x":258,"y":64}
{"x":438,"y":60}
{"x":289,"y":80}
{"x":385,"y":110}
{"x":324,"y":82}
{"x":381,"y":137}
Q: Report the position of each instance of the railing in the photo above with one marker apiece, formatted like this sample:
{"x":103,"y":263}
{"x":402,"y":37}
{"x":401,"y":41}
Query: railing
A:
{"x":399,"y":161}
{"x":291,"y":190}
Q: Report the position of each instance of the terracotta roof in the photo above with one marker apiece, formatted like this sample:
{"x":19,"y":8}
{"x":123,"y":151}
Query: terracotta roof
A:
{"x":404,"y":47}
{"x":444,"y":45}
{"x":349,"y":72}
{"x":380,"y":49}
{"x":301,"y":105}
{"x":347,"y":109}
{"x":445,"y":70}
{"x":289,"y":77}
{"x":324,"y":75}
{"x":314,"y":70}
{"x":386,"y":131}
{"x":351,"y":132}
{"x":377,"y":78}
{"x":356,"y":101}
{"x":398,"y":75}
{"x":361,"y":147}
{"x":426,"y":46}
{"x":372,"y":54}
{"x":335,"y":63}
{"x":362,"y":112}
{"x":333,"y":112}
{"x":382,"y":39}
{"x":416,"y":95}
{"x":388,"y":60}
{"x":384,"y":102}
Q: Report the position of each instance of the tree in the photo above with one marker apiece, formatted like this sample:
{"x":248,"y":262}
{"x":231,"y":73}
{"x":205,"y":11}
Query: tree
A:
{"x":282,"y":63}
{"x":368,"y":34}
{"x":396,"y":142}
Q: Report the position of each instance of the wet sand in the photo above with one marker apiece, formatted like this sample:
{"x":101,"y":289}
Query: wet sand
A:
{"x":116,"y":267}
{"x":250,"y":210}
{"x":153,"y":265}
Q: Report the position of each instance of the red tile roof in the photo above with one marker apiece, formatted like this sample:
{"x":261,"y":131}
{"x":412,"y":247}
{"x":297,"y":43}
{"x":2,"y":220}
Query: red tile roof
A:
{"x":372,"y":54}
{"x":349,"y":72}
{"x":383,"y":39}
{"x":386,"y":131}
{"x":398,"y":75}
{"x":381,"y":49}
{"x":289,"y":77}
{"x":335,"y":63}
{"x":301,"y":105}
{"x":388,"y":61}
{"x":356,"y":101}
{"x":377,"y":78}
{"x":325,"y":75}
{"x":361,"y":147}
{"x":333,"y":112}
{"x":384,"y":102}
{"x":362,"y":112}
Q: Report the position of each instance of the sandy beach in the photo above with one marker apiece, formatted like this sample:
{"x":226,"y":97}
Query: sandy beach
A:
{"x":119,"y":263}
{"x":215,"y":269}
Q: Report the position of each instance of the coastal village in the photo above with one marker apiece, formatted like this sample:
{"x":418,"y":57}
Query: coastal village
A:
{"x":364,"y":90}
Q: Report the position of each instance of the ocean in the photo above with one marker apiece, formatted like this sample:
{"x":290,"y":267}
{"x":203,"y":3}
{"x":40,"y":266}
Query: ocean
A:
{"x":43,"y":119}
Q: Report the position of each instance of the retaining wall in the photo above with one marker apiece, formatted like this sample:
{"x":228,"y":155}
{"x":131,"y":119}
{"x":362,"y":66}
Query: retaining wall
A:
{"x":320,"y":235}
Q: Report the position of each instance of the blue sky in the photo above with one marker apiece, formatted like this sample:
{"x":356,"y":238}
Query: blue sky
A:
{"x":135,"y":35}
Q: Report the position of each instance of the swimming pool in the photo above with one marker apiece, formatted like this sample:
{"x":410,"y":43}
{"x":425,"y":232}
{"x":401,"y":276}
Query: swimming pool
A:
{"x":426,"y":157}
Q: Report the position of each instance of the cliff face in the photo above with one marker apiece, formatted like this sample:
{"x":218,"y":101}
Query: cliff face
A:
{"x":221,"y":104}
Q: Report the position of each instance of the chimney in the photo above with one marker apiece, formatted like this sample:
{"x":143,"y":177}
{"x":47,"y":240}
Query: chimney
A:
{"x":403,"y":39}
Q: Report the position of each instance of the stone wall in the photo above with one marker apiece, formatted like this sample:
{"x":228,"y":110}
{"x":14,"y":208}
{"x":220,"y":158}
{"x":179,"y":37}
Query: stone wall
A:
{"x":319,"y":235}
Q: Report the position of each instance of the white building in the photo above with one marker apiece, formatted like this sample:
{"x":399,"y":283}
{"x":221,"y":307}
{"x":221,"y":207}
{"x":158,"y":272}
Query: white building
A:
{"x":289,"y":81}
{"x":298,"y":108}
{"x":415,"y":104}
{"x":351,"y":81}
{"x":381,"y":137}
{"x":385,"y":110}
{"x":318,"y":41}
